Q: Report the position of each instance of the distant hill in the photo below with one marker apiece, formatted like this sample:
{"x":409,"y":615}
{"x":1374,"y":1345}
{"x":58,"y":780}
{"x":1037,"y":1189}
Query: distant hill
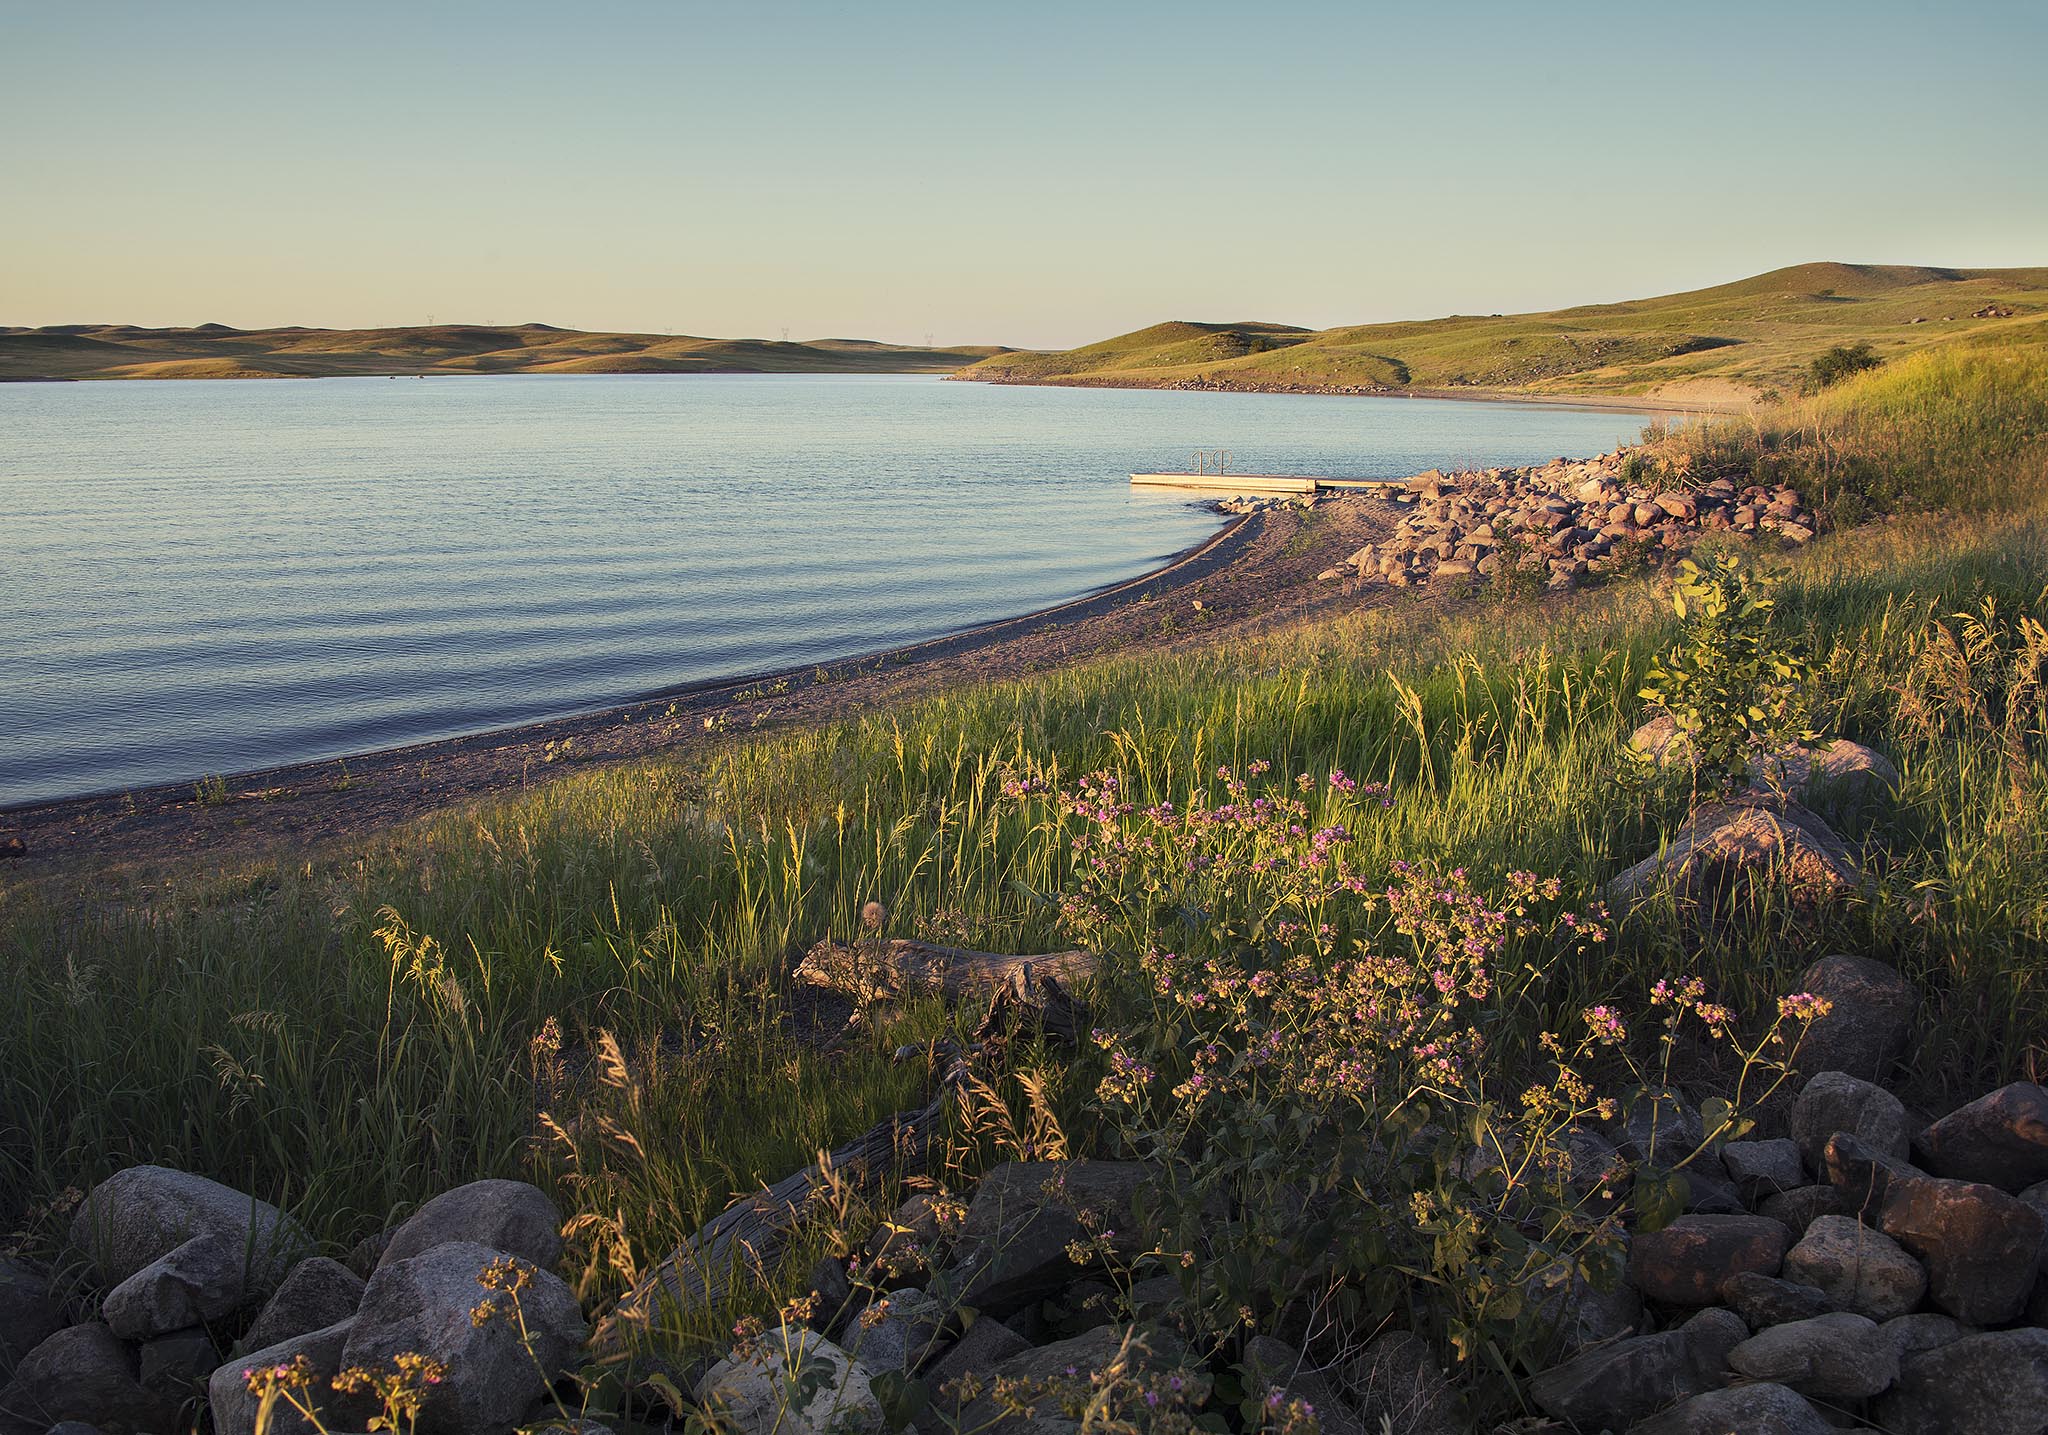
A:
{"x":214,"y":351}
{"x":1732,"y":342}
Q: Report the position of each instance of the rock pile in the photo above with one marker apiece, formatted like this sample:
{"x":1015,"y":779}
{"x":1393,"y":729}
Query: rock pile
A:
{"x":1856,"y":1282}
{"x":203,"y":1283}
{"x":1561,"y":523}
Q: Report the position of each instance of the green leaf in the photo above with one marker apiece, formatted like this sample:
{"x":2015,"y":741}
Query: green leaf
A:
{"x":1659,"y":1198}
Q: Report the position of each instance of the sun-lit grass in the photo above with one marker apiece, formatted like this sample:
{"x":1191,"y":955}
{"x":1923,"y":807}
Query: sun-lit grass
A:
{"x":587,"y":985}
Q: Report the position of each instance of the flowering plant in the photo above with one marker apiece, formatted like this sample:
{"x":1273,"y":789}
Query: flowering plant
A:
{"x":1352,"y":1120}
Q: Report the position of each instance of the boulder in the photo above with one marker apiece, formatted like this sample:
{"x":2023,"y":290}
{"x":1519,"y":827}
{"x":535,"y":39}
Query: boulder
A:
{"x":1012,"y":1247}
{"x":1838,"y":1356}
{"x":1723,"y":846}
{"x":1614,"y":1386}
{"x":138,"y":1216}
{"x":234,"y":1407}
{"x":85,"y":1373}
{"x":1763,"y":1301}
{"x":1764,"y":1168}
{"x":1859,"y":1270}
{"x":204,"y":1279}
{"x":1864,"y":1032}
{"x":893,"y":1332}
{"x":1840,"y":771}
{"x":1860,"y":1173}
{"x":1397,"y":1385}
{"x":1922,"y":1330}
{"x":316,"y":1294}
{"x":1739,"y":1410}
{"x":1661,"y":1126}
{"x":793,"y":1382}
{"x":1982,"y":1246}
{"x":1995,"y":1383}
{"x":1580,"y":1314}
{"x":1836,"y":1101}
{"x":508,"y":1216}
{"x":30,"y":1312}
{"x":1063,"y":1369}
{"x":1278,"y":1375}
{"x":177,"y":1364}
{"x":1799,"y":1208}
{"x":1688,"y":1261}
{"x":2000,"y":1139}
{"x":424,"y":1304}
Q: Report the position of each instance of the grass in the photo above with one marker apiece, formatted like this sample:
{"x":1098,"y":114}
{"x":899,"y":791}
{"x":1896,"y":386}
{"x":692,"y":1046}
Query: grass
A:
{"x":122,"y":351}
{"x":587,"y":985}
{"x":1756,"y":337}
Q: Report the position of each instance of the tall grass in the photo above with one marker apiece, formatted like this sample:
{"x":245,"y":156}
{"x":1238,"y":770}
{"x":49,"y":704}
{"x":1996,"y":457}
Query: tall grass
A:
{"x":588,"y":984}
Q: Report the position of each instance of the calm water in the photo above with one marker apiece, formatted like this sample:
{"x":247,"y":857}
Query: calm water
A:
{"x":214,"y":577}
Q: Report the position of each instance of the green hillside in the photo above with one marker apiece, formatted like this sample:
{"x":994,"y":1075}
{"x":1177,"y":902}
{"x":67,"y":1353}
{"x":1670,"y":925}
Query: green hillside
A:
{"x":214,"y":351}
{"x":1732,"y":342}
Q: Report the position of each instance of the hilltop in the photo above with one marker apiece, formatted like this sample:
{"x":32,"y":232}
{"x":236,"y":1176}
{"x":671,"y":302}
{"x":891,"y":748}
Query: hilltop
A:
{"x":214,"y":351}
{"x":1750,"y":339}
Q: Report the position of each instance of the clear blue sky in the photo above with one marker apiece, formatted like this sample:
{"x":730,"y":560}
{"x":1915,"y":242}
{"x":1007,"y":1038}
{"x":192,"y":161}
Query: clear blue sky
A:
{"x":1043,"y":173}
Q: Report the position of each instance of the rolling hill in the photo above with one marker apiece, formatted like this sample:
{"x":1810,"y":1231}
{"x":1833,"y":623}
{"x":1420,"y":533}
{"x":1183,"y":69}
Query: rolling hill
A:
{"x":1726,"y":344}
{"x":214,"y":351}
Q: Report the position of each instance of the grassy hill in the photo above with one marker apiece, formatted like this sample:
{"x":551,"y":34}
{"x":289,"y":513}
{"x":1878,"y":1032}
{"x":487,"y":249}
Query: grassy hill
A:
{"x":1750,"y":339}
{"x":214,"y":351}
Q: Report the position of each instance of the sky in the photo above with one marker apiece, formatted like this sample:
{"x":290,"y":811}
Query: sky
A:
{"x":1037,"y":175}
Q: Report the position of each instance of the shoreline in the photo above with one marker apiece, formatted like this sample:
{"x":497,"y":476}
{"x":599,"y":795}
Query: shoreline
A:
{"x":1249,"y":572}
{"x":1607,"y":403}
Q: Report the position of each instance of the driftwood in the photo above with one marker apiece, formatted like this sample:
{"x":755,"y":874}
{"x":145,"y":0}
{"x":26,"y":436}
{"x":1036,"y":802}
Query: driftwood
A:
{"x":875,"y":969}
{"x":743,"y":1241}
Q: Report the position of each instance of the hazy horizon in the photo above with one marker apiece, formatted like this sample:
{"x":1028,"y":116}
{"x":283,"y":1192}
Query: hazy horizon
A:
{"x":1036,"y":179}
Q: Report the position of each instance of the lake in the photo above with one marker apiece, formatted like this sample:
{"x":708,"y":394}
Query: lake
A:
{"x":214,"y":577}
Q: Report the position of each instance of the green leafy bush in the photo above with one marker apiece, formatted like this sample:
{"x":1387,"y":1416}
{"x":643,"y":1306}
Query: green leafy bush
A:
{"x":1734,"y":688}
{"x":1834,"y":365}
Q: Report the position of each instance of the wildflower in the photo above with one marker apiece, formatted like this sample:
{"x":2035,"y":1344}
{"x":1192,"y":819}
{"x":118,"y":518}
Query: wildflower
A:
{"x":873,"y":915}
{"x":1342,"y":783}
{"x":1804,"y":1006}
{"x":1606,"y":1025}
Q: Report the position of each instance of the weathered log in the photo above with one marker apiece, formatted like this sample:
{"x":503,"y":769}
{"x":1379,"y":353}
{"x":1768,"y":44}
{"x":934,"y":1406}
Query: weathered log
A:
{"x":745,"y":1239}
{"x":1031,"y":1000}
{"x":873,"y":969}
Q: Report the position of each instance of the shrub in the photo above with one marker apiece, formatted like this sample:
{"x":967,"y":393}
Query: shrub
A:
{"x":1838,"y":363}
{"x":1733,"y":688}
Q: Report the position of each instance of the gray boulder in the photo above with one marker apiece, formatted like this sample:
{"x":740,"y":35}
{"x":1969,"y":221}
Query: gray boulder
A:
{"x":1921,"y":1331}
{"x":1799,"y":1208}
{"x":1064,"y":1368}
{"x":178,"y":1363}
{"x":1739,"y":1410}
{"x":1278,"y":1374}
{"x":1397,"y":1384}
{"x":1688,"y":1261}
{"x":895,"y":1338}
{"x":1012,"y":1247}
{"x":234,"y":1407}
{"x":508,"y":1216}
{"x":1995,"y":1383}
{"x":982,"y":1347}
{"x":1839,"y":1356}
{"x":1764,"y":1301}
{"x":1836,"y":1101}
{"x":2000,"y":1139}
{"x":30,"y":1312}
{"x":1580,"y":1314}
{"x":84,"y":1373}
{"x":138,"y":1216}
{"x":1661,"y":1126}
{"x":1614,"y":1386}
{"x":424,"y":1304}
{"x":793,"y":1382}
{"x":316,"y":1294}
{"x":204,"y":1279}
{"x":1859,"y":1269}
{"x":1764,"y":1168}
{"x":1865,"y":1032}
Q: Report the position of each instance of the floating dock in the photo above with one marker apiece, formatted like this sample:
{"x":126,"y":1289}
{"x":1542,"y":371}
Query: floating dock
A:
{"x":1263,"y":482}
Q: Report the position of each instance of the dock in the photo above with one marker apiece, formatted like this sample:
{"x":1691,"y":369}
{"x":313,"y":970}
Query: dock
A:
{"x":1263,"y":482}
